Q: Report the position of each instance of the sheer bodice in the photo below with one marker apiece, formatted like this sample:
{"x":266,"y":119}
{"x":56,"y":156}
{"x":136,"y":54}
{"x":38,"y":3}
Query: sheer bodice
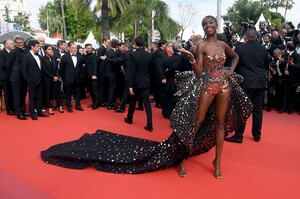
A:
{"x":214,"y":78}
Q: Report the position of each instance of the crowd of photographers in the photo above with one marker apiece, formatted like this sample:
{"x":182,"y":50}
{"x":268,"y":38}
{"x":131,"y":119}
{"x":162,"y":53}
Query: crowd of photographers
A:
{"x":283,"y":72}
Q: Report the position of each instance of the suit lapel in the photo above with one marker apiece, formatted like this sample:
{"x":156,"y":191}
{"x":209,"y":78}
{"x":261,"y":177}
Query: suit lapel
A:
{"x":37,"y":65}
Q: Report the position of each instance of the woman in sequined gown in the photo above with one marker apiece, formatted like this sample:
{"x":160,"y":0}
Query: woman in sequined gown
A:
{"x":209,"y":65}
{"x":112,"y":152}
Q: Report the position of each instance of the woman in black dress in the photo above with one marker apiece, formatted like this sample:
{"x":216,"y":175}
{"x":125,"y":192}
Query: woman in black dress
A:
{"x":112,"y":152}
{"x":52,"y":83}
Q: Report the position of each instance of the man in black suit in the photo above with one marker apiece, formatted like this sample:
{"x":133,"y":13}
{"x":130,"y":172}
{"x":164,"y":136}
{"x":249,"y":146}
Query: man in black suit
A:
{"x":158,"y":58}
{"x":5,"y":71}
{"x":253,"y":63}
{"x":90,"y":61}
{"x":71,"y":69}
{"x":125,"y":60}
{"x":18,"y":83}
{"x":60,"y":51}
{"x":31,"y":69}
{"x":111,"y":70}
{"x":161,"y":73}
{"x":290,"y":79}
{"x":139,"y":81}
{"x":172,"y":64}
{"x":101,"y":52}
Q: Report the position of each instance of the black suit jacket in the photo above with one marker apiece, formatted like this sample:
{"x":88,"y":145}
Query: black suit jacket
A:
{"x":140,"y":62}
{"x":5,"y":68}
{"x":50,"y":68}
{"x":252,"y":65}
{"x":162,"y":56}
{"x":90,"y":62}
{"x":173,"y":63}
{"x":111,"y":64}
{"x":30,"y":68}
{"x":15,"y":63}
{"x":101,"y":52}
{"x":69,"y":72}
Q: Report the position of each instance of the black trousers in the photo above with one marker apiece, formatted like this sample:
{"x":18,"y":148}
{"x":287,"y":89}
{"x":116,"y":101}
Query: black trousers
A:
{"x":8,"y":95}
{"x":257,"y":98}
{"x":111,"y":82}
{"x":93,"y":86}
{"x":35,"y":97}
{"x":19,"y":90}
{"x":100,"y":87}
{"x":125,"y":96}
{"x":72,"y":88}
{"x":52,"y":89}
{"x":144,"y":93}
{"x":167,"y":97}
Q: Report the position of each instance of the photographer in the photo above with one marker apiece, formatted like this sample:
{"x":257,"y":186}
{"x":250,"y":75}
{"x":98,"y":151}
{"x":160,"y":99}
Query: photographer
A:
{"x":226,"y":31}
{"x":275,"y":75}
{"x":261,"y":32}
{"x":234,"y":41}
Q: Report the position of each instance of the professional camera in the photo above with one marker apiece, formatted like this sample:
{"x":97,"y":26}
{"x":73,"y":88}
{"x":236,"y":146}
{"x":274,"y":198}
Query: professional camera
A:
{"x":245,"y":23}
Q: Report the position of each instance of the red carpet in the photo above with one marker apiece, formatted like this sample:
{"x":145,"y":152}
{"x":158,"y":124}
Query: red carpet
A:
{"x":268,"y":169}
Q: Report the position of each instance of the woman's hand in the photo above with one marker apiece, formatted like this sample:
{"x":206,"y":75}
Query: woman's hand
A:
{"x":188,"y":53}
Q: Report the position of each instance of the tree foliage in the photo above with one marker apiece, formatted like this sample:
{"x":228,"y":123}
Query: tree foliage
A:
{"x":251,"y":10}
{"x":50,"y":14}
{"x":6,"y":15}
{"x":22,"y":18}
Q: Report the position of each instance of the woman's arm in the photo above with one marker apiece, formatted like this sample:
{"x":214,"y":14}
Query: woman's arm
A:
{"x":197,"y":65}
{"x":233,"y":55}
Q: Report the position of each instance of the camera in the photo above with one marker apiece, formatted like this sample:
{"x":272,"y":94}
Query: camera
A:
{"x":245,"y":23}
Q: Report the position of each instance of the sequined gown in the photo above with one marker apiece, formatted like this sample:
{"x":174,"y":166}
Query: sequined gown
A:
{"x":112,"y":152}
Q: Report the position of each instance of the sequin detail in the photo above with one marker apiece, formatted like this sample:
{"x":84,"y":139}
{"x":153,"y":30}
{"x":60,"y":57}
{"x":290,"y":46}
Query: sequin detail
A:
{"x":214,"y":77}
{"x":111,"y":152}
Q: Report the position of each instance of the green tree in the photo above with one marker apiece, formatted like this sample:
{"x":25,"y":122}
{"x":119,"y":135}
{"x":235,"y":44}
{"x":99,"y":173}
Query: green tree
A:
{"x":49,"y":18}
{"x":22,"y":18}
{"x":167,"y":27}
{"x":109,"y":8}
{"x":6,"y":15}
{"x":287,"y":5}
{"x":246,"y":9}
{"x":79,"y":19}
{"x":142,"y":15}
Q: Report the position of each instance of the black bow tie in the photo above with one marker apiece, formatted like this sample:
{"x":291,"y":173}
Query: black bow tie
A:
{"x":36,"y":54}
{"x":74,"y":55}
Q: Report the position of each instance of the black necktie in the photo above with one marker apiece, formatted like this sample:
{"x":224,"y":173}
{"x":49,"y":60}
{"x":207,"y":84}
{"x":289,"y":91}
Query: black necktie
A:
{"x":42,"y":53}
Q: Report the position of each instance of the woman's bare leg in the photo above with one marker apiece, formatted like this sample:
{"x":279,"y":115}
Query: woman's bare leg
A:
{"x":205,"y":101}
{"x":222,"y":101}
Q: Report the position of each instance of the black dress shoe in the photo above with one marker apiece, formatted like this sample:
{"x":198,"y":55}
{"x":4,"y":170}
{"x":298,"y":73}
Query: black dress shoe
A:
{"x":290,"y":112}
{"x":167,"y":116}
{"x":148,"y":128}
{"x":257,"y":139}
{"x":234,"y":139}
{"x":26,"y":114}
{"x":42,"y":115}
{"x":33,"y":117}
{"x":110,"y":108}
{"x":95,"y":107}
{"x":79,"y":108}
{"x":21,"y":117}
{"x":127,"y":120}
{"x":11,"y":113}
{"x":69,"y":109}
{"x":91,"y":105}
{"x":120,"y":110}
